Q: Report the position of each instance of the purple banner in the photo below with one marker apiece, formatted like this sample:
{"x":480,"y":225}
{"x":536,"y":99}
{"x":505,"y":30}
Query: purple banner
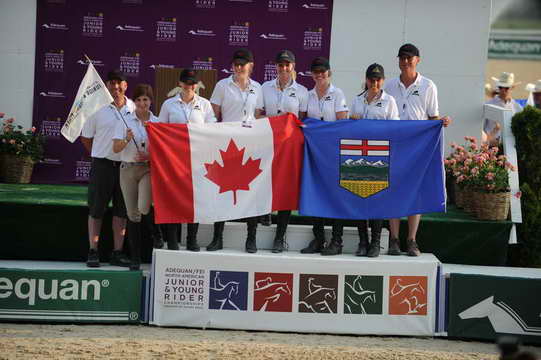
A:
{"x":137,"y":36}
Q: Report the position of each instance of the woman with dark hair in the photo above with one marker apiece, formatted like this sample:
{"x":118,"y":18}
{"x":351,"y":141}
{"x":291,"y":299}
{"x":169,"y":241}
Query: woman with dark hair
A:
{"x":374,"y":104}
{"x":280,"y":96}
{"x":237,"y":98}
{"x":131,"y":141}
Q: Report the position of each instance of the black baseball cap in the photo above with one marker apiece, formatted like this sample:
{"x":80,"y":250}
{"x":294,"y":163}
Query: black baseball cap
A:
{"x":320,"y":64}
{"x":375,"y":71}
{"x":116,"y":75}
{"x":408,"y":50}
{"x":285,"y":56}
{"x":188,"y":75}
{"x":243,"y":56}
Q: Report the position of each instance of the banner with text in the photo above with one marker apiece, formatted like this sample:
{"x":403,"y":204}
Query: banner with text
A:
{"x":389,"y":296}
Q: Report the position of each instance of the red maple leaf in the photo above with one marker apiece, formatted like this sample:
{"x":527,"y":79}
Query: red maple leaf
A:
{"x":233,"y":175}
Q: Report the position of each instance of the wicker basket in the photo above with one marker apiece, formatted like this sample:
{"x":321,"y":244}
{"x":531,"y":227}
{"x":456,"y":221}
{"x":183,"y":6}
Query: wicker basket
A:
{"x":467,"y":200}
{"x":17,"y":169}
{"x":476,"y":202}
{"x":495,"y":206}
{"x":459,"y":197}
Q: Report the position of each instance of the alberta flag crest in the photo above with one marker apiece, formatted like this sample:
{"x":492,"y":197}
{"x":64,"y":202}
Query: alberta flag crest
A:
{"x":364,"y":166}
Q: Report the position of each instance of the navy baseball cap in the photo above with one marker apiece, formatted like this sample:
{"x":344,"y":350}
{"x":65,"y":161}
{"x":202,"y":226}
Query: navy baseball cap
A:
{"x":408,"y":50}
{"x":188,"y":75}
{"x":375,"y":71}
{"x":116,"y":75}
{"x":243,"y":56}
{"x":320,"y":64}
{"x":285,"y":56}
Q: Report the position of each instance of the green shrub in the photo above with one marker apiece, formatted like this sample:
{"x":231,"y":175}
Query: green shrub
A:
{"x":526,"y":126}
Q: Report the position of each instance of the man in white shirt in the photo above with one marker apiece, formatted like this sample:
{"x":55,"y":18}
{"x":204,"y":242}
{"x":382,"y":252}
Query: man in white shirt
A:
{"x":417,"y":99}
{"x":505,"y":85}
{"x":104,"y":183}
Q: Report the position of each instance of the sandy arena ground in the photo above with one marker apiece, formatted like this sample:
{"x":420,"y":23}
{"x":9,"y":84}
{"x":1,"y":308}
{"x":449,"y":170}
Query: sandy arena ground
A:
{"x":23,"y":341}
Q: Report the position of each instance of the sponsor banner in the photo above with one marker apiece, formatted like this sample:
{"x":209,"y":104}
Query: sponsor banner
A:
{"x":142,"y":41}
{"x":70,"y":296}
{"x":229,"y":289}
{"x":486,"y":307}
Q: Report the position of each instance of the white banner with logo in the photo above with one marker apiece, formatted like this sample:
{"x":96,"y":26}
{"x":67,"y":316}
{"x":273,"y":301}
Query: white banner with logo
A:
{"x":388,"y":295}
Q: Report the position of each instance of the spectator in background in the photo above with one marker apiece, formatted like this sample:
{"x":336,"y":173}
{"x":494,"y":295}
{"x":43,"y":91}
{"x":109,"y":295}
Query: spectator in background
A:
{"x":535,"y":94}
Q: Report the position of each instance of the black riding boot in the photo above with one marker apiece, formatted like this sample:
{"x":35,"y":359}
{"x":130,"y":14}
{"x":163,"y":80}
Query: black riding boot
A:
{"x":218,"y":237}
{"x":335,"y":246}
{"x":375,"y":231}
{"x":362,"y":228}
{"x":281,"y":227}
{"x":318,"y":243}
{"x":171,"y":234}
{"x":251,"y":244}
{"x":134,"y":229}
{"x":191,"y":239}
{"x":153,"y":229}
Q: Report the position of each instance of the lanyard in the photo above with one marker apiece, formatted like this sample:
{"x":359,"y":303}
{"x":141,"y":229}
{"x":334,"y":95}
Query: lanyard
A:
{"x":367,"y":104}
{"x":141,"y":135}
{"x":185,"y":107}
{"x":281,"y":94}
{"x":407,"y":95}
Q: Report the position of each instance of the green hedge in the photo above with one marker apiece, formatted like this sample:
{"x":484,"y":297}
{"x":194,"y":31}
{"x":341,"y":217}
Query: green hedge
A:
{"x":526,"y":126}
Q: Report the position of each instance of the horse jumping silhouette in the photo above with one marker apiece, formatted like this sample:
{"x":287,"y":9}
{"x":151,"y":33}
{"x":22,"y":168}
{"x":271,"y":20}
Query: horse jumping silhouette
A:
{"x":316,"y":300}
{"x":362,"y":296}
{"x":224,"y":293}
{"x":273,"y":291}
{"x":501,"y":316}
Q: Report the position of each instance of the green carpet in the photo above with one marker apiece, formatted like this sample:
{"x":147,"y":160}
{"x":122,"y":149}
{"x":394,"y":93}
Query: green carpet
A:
{"x":48,"y":222}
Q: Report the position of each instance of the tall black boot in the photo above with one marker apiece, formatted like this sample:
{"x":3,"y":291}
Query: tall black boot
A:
{"x":191,"y":239}
{"x":375,"y":231}
{"x":318,"y":243}
{"x":251,"y":245}
{"x":171,"y":232}
{"x":134,"y":229}
{"x":335,"y":246}
{"x":281,"y":227}
{"x":218,"y":237}
{"x":362,"y":228}
{"x":153,"y":229}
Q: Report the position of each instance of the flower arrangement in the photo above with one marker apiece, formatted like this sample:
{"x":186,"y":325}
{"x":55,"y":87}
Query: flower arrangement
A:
{"x":479,"y":167}
{"x":15,"y":141}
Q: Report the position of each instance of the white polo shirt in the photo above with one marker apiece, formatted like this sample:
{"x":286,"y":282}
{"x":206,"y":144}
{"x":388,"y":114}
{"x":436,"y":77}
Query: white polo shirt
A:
{"x":326,"y":108}
{"x":139,"y":134}
{"x":381,"y":108}
{"x":293,"y":99}
{"x":237,"y":105}
{"x":101,"y":126}
{"x":418,"y":101}
{"x":176,"y":111}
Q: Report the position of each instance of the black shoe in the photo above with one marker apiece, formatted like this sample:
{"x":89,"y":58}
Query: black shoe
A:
{"x":374,"y":248}
{"x":251,"y":246}
{"x":118,"y":258}
{"x":93,"y":260}
{"x":216,"y":244}
{"x":315,"y":246}
{"x":334,"y":248}
{"x":278,"y":245}
{"x":135,"y":266}
{"x":362,"y":249}
{"x":413,"y":249}
{"x":265,"y":220}
{"x":157,"y":241}
{"x":191,"y":245}
{"x":394,"y":247}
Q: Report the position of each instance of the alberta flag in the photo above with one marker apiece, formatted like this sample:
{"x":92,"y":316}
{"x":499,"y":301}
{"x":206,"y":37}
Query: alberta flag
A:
{"x":224,"y":171}
{"x":372,"y":169}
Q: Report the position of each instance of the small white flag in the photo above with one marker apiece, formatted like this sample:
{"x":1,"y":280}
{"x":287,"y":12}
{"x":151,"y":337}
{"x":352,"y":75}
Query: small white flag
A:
{"x":91,"y":96}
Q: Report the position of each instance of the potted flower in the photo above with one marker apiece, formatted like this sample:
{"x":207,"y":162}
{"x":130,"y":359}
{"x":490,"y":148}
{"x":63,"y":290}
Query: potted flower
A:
{"x":19,"y":150}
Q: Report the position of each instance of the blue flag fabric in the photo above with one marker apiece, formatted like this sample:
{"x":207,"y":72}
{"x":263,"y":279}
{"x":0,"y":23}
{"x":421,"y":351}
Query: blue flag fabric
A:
{"x":372,"y":169}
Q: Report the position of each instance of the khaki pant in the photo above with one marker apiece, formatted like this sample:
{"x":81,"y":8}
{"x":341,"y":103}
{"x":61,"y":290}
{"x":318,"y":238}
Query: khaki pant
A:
{"x":135,"y":185}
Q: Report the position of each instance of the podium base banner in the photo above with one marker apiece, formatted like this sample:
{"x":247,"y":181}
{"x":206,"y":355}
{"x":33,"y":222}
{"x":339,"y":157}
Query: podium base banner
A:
{"x":293,"y":292}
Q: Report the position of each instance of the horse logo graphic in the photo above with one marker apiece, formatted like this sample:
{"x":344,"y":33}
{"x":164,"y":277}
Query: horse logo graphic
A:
{"x":273,"y":292}
{"x":502,"y":317}
{"x":362,"y":294}
{"x":228,"y":290}
{"x":408,"y":295}
{"x":318,"y":293}
{"x":364,"y":166}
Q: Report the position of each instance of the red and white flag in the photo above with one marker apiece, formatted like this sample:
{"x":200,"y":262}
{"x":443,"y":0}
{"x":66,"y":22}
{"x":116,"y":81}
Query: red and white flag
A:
{"x":223,"y":171}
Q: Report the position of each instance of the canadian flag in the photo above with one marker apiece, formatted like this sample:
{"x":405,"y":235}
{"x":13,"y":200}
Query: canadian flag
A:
{"x":222,"y":171}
